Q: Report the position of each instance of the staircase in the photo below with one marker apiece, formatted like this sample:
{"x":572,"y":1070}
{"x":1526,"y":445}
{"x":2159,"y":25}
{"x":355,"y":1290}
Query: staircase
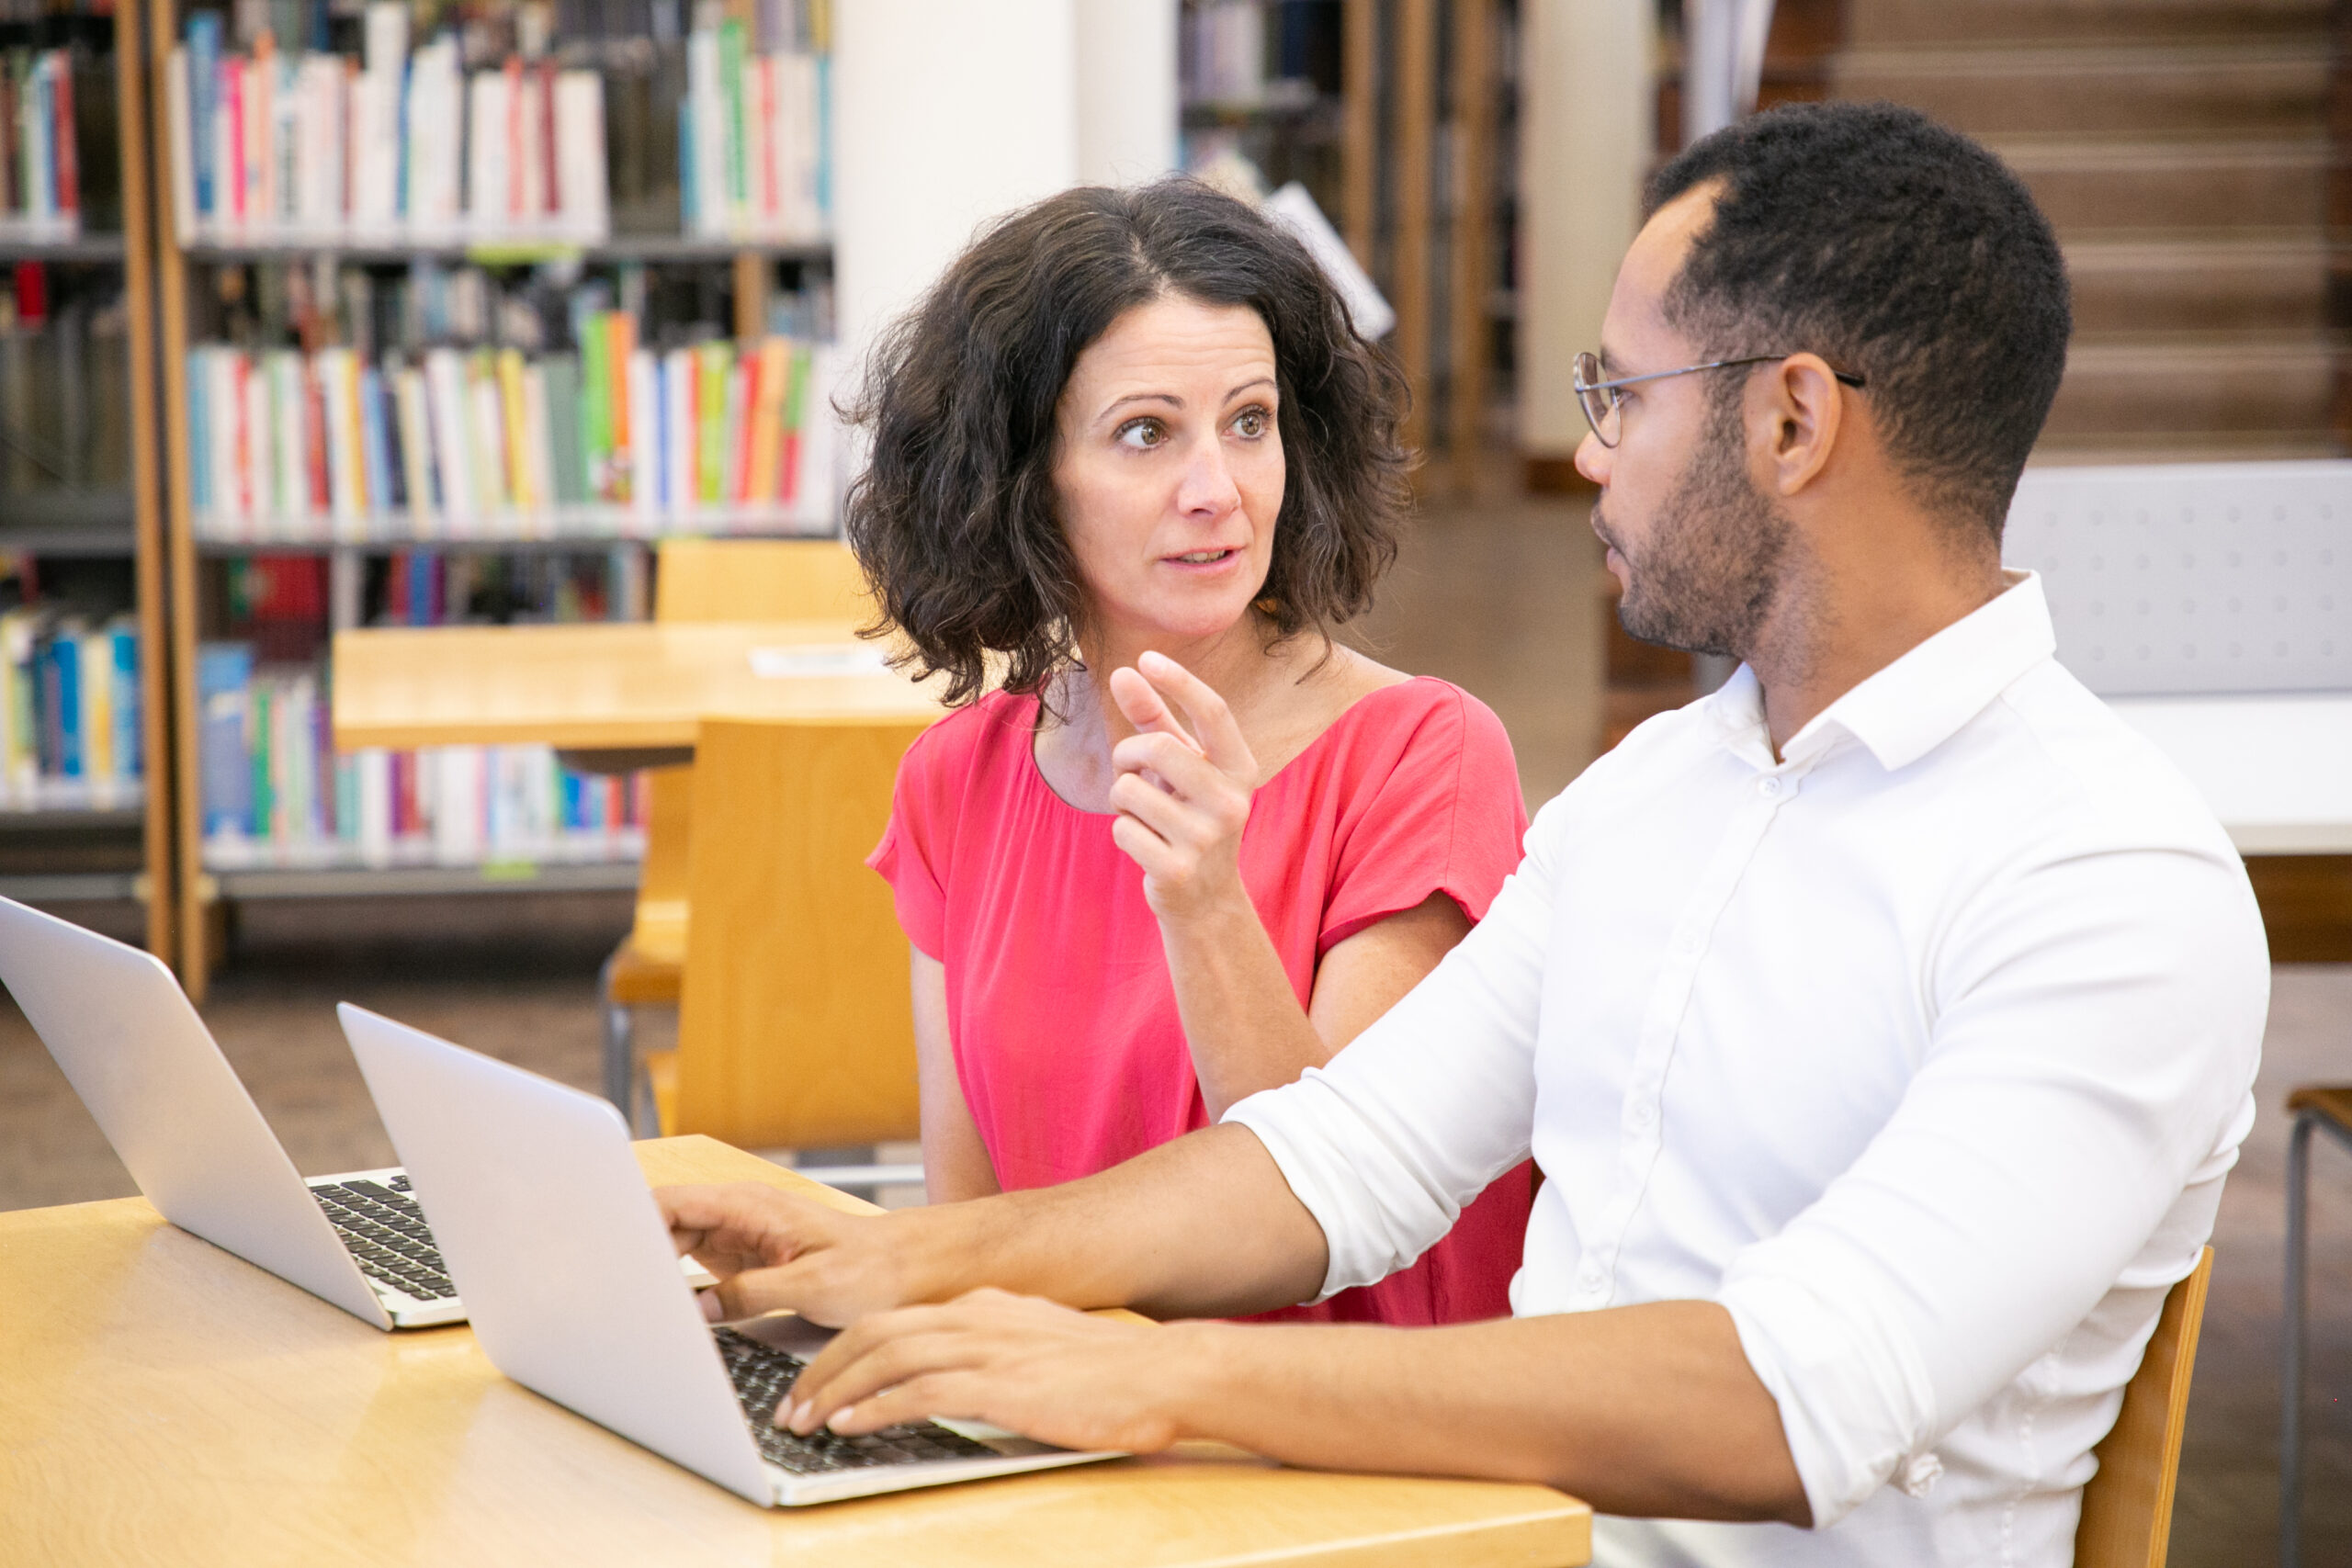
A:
{"x":2181,"y":149}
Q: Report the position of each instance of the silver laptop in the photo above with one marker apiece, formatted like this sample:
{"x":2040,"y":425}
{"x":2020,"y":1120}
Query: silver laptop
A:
{"x":153,"y":1078}
{"x":550,"y":1230}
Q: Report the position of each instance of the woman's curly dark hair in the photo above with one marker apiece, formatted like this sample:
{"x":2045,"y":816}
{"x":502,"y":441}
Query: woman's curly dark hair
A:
{"x":954,"y":518}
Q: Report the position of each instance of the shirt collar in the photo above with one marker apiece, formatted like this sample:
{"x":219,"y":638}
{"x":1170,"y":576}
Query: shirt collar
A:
{"x":1915,"y":704}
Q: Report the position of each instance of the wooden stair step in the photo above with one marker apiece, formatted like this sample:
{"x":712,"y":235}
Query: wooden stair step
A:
{"x":2218,"y":383}
{"x":1873,"y":23}
{"x":2274,"y":87}
{"x":2229,"y":282}
{"x":2147,"y":184}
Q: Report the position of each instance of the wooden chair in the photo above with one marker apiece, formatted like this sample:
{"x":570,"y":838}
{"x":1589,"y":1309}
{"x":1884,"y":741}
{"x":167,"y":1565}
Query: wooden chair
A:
{"x":704,"y":580}
{"x":2127,"y":1507}
{"x":797,"y":1026}
{"x":2315,"y":1108}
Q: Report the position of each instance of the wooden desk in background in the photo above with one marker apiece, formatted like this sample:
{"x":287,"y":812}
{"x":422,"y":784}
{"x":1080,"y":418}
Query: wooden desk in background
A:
{"x":636,"y":686}
{"x":164,"y":1402}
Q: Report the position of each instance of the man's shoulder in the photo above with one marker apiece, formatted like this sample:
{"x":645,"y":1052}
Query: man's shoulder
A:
{"x":2092,"y":774}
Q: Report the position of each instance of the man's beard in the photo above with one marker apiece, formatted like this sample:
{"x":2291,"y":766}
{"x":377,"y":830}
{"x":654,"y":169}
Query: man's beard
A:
{"x":1706,"y":580}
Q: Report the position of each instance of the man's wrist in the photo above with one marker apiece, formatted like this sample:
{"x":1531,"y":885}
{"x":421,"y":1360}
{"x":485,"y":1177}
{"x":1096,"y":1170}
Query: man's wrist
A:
{"x":936,"y":1253}
{"x":1200,"y":1373}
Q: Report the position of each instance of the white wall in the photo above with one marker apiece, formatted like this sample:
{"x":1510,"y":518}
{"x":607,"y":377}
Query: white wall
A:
{"x":945,"y":113}
{"x":1126,"y":90}
{"x":1586,"y":139}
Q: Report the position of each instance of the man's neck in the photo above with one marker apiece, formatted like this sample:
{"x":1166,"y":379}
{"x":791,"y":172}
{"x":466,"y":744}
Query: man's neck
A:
{"x":1831,"y":630}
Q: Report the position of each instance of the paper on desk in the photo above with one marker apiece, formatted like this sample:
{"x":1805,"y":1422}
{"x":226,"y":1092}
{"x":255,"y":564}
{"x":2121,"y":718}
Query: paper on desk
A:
{"x":818,"y":659}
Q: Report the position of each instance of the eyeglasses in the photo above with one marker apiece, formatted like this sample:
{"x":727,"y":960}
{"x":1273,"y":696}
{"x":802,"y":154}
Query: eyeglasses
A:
{"x":1599,"y":397}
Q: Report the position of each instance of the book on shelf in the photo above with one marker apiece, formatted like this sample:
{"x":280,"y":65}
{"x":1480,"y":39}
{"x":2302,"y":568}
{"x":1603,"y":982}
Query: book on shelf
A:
{"x":754,"y":153}
{"x":64,"y":391}
{"x":275,"y":145}
{"x":1243,"y":54}
{"x":70,"y":721}
{"x":41,"y":181}
{"x":612,"y":440}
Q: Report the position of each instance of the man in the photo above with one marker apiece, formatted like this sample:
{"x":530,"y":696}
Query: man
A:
{"x":1883,"y":1023}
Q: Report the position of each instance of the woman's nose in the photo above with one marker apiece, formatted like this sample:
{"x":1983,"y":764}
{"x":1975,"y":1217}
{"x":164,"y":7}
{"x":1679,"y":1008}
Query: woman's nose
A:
{"x":1207,"y":485}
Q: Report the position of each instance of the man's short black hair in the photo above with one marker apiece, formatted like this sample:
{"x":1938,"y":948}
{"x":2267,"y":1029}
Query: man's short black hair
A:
{"x":1895,"y":248}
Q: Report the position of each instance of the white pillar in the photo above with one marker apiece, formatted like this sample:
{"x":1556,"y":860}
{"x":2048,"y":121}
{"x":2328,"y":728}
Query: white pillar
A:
{"x":1588,"y":88}
{"x":1126,"y":90}
{"x":945,"y":113}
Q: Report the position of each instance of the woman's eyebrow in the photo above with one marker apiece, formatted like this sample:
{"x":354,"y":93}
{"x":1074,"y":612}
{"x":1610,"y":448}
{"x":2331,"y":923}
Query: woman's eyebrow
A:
{"x":1247,"y":386}
{"x":1170,"y":399}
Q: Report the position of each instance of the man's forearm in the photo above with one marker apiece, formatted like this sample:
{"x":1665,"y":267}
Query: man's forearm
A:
{"x":1203,"y":1227}
{"x":1648,"y":1411}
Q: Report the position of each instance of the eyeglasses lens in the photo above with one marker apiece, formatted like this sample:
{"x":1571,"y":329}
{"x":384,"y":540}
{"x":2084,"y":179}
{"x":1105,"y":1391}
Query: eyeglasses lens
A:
{"x":1600,"y":404}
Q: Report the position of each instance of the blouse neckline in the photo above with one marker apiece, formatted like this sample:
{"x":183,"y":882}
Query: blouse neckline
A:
{"x":1035,"y":773}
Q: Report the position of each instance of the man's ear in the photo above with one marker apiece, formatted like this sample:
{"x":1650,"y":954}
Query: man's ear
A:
{"x":1804,"y":419}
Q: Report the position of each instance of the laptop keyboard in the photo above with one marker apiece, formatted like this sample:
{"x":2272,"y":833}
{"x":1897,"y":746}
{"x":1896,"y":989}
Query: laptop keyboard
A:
{"x":761,"y":1375}
{"x":384,"y":1228}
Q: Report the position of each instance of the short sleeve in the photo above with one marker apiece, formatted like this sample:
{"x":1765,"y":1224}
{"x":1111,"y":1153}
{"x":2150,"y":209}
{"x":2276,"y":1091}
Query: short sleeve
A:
{"x":908,"y":855}
{"x":1448,"y":817}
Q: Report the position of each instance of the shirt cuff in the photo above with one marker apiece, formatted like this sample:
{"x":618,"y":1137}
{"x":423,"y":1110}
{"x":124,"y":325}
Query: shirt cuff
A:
{"x":1375,"y":1218}
{"x":1856,"y":1407}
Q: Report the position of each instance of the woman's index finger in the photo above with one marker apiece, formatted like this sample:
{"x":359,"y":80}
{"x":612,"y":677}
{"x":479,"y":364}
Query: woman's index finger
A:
{"x":1214,"y":727}
{"x":1145,"y":707}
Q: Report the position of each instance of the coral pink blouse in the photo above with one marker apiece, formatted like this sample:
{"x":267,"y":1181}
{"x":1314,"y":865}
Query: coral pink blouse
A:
{"x":1060,"y":1007}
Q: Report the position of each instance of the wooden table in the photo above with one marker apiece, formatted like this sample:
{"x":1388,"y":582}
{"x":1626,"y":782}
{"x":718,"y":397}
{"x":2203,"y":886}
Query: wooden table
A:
{"x":163,"y":1402}
{"x":636,"y":686}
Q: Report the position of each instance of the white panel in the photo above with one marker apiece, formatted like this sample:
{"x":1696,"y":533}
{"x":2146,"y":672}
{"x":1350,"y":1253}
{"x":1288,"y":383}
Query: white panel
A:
{"x":1586,"y":143}
{"x":2276,"y":771}
{"x":1126,"y":90}
{"x":2194,"y":577}
{"x":945,"y":114}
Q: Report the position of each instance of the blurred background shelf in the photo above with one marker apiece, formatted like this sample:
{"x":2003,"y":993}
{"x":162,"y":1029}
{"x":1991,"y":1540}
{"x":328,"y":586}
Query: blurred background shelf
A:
{"x":503,"y":251}
{"x":102,"y":250}
{"x":358,"y":881}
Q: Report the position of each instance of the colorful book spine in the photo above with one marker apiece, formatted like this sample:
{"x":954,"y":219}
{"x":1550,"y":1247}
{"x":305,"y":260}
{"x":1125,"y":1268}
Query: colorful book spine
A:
{"x":396,"y":141}
{"x":331,"y":446}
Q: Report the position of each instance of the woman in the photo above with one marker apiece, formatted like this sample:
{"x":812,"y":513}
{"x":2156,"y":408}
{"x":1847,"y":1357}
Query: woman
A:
{"x":1189,"y":846}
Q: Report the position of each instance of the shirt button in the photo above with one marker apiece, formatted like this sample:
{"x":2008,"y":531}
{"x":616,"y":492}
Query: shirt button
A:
{"x":1767,"y":787}
{"x":1589,"y":1276}
{"x":1642,"y":1115}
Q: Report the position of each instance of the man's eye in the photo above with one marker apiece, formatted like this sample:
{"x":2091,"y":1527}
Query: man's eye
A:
{"x":1141,"y":434}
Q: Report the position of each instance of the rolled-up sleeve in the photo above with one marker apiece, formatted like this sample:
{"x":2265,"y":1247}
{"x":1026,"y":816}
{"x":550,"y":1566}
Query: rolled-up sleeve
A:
{"x":1386,"y":1142}
{"x":2099,"y":1022}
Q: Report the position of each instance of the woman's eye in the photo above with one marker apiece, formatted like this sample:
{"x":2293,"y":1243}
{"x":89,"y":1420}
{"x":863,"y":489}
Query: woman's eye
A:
{"x":1252,"y":423}
{"x":1141,"y":435}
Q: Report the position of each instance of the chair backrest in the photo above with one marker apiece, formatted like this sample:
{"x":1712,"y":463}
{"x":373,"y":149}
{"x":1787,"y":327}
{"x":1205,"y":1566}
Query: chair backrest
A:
{"x":2127,"y":1507}
{"x":726,"y":580}
{"x":759,"y":580}
{"x":796,"y":1026}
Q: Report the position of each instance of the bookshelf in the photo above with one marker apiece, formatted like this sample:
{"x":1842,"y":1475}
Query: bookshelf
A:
{"x":1399,"y":116}
{"x":83,"y":810}
{"x":462,"y":308}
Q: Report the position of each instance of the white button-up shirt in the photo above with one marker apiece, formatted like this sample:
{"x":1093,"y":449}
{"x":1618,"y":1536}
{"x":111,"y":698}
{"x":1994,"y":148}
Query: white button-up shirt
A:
{"x":1923,"y":1049}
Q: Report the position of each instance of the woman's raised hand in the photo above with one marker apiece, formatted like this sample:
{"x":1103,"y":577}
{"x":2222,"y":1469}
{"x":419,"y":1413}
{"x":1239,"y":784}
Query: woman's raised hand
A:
{"x":1183,"y":798}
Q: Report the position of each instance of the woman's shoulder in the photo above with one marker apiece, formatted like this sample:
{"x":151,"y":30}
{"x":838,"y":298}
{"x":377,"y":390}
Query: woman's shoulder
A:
{"x":974,"y":752}
{"x":1415,"y":737}
{"x":1420,"y":712}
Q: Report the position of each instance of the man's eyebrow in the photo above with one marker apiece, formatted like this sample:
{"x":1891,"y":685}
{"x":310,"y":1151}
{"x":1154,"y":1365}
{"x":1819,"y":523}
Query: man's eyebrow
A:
{"x":1607,"y":362}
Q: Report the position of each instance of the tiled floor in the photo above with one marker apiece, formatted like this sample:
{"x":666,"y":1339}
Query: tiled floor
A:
{"x":1500,"y":600}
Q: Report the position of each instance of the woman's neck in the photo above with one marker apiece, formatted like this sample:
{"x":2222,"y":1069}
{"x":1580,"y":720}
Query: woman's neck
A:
{"x":1240,"y":663}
